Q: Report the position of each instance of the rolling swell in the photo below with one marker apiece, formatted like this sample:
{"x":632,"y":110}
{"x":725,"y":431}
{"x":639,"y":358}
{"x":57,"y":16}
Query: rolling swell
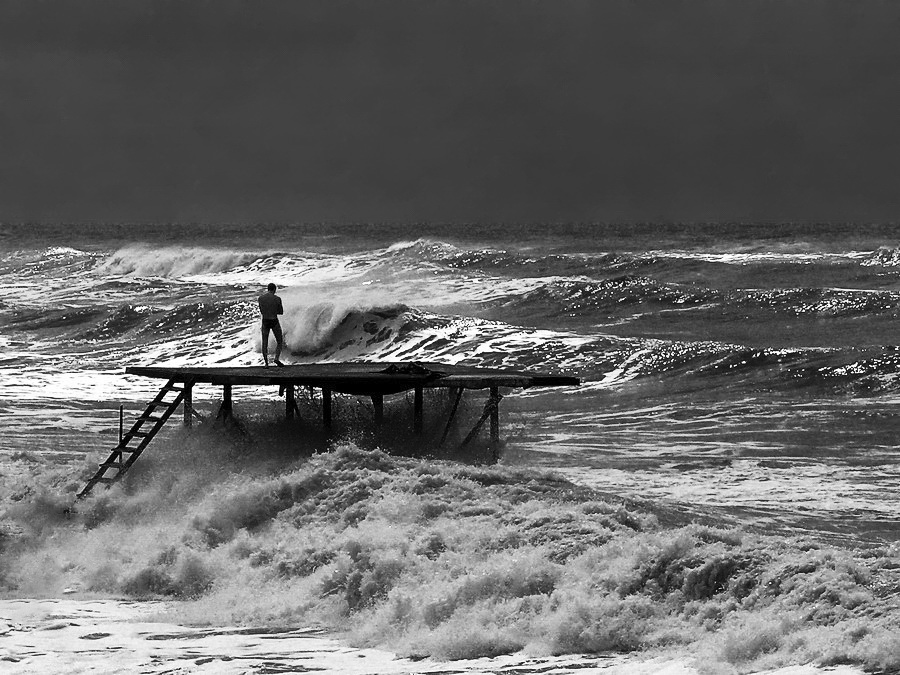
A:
{"x":579,"y":297}
{"x":517,"y":264}
{"x":120,"y":322}
{"x":698,"y":366}
{"x":194,"y":317}
{"x":624,"y":295}
{"x":51,"y":319}
{"x":822,"y":302}
{"x":47,"y":263}
{"x":71,"y":323}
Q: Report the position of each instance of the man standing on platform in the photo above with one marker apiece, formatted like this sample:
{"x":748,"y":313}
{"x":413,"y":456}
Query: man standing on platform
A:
{"x":270,"y":307}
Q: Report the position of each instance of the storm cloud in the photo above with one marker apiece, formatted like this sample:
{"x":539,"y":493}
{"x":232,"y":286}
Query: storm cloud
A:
{"x":406,"y":110}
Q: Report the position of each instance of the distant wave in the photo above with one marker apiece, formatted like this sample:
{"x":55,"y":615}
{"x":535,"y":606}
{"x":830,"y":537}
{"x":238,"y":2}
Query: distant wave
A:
{"x":583,"y":297}
{"x":839,"y":370}
{"x":171,"y":262}
{"x":832,"y":302}
{"x":46,"y":262}
{"x":43,"y":319}
{"x":885,"y":256}
{"x":516,"y":263}
{"x":789,"y":254}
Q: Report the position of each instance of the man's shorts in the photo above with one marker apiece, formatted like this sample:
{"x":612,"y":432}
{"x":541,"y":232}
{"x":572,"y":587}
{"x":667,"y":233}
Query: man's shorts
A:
{"x":270,"y":323}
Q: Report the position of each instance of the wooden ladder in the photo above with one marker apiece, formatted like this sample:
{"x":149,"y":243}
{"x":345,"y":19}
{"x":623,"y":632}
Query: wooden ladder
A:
{"x":142,"y":432}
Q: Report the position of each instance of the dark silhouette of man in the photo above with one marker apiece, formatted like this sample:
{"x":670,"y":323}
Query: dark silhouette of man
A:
{"x":270,"y":307}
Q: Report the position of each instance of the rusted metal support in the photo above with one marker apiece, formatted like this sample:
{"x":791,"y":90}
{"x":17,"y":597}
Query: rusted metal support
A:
{"x":459,"y":393}
{"x":495,"y":416}
{"x":495,"y":423}
{"x":491,"y":410}
{"x":417,"y":411}
{"x":326,"y":408}
{"x":378,"y":405}
{"x":188,"y":404}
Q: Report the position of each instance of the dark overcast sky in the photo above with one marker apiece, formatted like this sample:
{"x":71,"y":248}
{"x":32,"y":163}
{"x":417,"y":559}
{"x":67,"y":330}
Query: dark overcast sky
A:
{"x":407,"y":110}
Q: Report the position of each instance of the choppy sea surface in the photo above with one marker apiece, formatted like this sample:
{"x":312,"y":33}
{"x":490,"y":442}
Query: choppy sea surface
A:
{"x":724,"y":483}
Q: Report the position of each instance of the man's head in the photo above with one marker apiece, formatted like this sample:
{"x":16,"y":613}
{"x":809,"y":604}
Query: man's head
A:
{"x":272,"y":288}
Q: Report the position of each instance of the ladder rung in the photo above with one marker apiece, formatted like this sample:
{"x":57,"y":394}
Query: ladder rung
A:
{"x":116,"y":459}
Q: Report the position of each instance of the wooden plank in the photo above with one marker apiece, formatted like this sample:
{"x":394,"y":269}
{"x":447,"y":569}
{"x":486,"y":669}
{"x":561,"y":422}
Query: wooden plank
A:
{"x":382,"y":378}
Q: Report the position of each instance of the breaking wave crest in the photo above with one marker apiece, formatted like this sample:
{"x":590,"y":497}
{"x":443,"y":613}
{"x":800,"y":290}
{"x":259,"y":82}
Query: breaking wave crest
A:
{"x":337,"y":328}
{"x":172,"y":262}
{"x":885,"y":256}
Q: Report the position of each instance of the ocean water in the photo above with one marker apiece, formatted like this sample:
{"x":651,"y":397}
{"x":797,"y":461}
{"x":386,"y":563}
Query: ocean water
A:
{"x":722,"y":486}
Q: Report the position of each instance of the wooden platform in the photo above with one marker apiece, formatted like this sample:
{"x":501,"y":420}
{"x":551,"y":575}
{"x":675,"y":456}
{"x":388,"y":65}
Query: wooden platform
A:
{"x":375,"y":380}
{"x":361,"y":379}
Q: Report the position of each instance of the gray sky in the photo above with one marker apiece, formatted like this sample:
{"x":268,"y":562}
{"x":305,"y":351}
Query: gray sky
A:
{"x":406,"y":110}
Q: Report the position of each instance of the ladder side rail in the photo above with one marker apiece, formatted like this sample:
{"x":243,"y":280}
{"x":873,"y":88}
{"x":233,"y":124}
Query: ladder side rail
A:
{"x":116,"y":459}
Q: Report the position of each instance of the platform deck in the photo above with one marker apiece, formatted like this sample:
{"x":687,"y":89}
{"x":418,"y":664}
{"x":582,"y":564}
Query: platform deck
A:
{"x":359,"y":378}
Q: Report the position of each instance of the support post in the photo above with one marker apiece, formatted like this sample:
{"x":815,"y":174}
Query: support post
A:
{"x":326,"y":409}
{"x":121,"y":423}
{"x":417,"y":411}
{"x":289,"y":405}
{"x":378,"y":405}
{"x":188,"y":404}
{"x":225,"y":408}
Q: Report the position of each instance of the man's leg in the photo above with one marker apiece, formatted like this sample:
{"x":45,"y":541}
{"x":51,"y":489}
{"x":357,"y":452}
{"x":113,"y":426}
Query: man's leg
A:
{"x":279,"y":341}
{"x":265,"y":344}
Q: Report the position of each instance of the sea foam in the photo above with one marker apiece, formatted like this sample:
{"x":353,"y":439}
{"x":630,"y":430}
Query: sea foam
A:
{"x":451,"y":561}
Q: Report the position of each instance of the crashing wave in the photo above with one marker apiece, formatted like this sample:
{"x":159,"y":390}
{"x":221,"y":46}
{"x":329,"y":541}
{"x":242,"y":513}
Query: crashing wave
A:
{"x":171,"y":262}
